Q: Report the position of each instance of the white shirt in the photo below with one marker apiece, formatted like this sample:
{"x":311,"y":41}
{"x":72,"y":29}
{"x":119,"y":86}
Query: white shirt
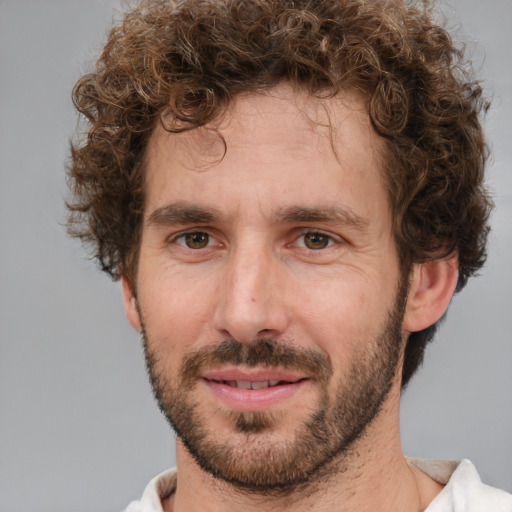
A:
{"x":463,"y":491}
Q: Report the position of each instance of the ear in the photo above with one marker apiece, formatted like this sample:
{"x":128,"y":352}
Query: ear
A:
{"x":130,"y":304}
{"x":431,"y":289}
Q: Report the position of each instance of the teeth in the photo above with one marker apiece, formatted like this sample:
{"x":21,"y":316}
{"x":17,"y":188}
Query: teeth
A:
{"x":245,"y":384}
{"x":259,"y":385}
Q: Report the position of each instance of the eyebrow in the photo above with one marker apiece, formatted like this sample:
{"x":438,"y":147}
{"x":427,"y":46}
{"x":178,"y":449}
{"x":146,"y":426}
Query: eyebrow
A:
{"x":330,"y":214}
{"x":182,"y":213}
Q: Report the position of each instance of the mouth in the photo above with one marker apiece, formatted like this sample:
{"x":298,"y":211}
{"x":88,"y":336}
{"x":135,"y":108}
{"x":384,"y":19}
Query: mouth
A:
{"x":262,"y":391}
{"x":255,"y":384}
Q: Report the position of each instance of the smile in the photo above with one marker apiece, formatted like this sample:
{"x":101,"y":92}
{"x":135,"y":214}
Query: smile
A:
{"x":262,"y":384}
{"x":258,"y":393}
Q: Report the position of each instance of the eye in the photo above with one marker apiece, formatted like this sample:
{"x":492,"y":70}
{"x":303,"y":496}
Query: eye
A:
{"x":194,"y":240}
{"x":315,"y":240}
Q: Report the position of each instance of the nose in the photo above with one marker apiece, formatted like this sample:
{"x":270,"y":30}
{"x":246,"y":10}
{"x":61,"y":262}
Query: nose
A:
{"x":251,"y":296}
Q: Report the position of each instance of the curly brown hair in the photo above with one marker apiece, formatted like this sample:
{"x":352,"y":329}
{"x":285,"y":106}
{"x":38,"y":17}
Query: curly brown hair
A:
{"x":183,"y":62}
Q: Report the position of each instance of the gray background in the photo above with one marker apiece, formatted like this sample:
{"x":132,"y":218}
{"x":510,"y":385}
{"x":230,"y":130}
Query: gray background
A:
{"x":78,"y":427}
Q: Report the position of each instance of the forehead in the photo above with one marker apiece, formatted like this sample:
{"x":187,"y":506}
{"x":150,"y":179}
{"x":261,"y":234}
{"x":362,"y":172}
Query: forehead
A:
{"x":274,"y":145}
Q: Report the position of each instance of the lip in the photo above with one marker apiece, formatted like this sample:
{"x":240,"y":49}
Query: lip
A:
{"x":253,"y":374}
{"x":254,"y":399}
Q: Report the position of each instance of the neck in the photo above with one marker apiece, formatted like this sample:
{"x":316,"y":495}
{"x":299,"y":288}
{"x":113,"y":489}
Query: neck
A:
{"x":373,"y":476}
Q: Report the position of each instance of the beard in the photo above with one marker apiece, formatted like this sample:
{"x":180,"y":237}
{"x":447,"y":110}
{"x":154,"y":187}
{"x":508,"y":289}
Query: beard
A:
{"x":250,"y":456}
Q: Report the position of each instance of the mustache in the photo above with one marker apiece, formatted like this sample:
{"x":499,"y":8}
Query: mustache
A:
{"x":262,"y":352}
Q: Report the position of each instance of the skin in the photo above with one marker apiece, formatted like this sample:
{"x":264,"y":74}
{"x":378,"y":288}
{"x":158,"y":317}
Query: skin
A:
{"x":259,"y":275}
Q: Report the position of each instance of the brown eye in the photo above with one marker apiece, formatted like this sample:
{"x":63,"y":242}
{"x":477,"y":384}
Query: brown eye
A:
{"x":316,"y":241}
{"x":196,"y":240}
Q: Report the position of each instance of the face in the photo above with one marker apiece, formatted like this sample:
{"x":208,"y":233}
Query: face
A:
{"x":268,"y":286}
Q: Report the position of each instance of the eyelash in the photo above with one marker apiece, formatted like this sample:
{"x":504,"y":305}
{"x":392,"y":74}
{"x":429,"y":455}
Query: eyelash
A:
{"x":329,"y":239}
{"x":182,"y":236}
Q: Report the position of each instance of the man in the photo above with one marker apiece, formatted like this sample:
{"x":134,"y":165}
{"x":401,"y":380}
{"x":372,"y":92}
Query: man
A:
{"x":290,"y":193}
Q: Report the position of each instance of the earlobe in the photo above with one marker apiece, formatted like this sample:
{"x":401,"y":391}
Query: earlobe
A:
{"x":431,"y":289}
{"x":130,"y":304}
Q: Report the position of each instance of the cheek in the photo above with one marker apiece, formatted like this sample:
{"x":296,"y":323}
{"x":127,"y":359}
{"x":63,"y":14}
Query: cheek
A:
{"x":175,"y":312}
{"x":340,"y":317}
